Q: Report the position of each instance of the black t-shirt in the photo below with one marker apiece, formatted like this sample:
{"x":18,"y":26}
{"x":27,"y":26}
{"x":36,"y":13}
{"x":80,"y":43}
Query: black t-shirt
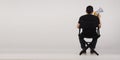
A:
{"x":89,"y":23}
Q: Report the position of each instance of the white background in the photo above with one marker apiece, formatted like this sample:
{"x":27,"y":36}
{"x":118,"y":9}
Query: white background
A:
{"x":51,"y":24}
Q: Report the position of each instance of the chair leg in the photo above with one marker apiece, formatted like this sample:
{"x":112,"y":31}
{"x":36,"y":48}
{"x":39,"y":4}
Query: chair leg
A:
{"x":88,"y":46}
{"x":96,"y":52}
{"x":93,"y":51}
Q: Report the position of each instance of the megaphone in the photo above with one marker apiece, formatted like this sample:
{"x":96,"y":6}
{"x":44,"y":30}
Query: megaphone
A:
{"x":100,"y":10}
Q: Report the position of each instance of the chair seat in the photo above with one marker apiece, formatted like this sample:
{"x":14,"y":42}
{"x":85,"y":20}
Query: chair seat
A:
{"x":88,"y":40}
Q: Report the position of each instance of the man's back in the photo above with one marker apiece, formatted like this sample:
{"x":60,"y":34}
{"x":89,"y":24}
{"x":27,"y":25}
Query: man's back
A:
{"x":89,"y":23}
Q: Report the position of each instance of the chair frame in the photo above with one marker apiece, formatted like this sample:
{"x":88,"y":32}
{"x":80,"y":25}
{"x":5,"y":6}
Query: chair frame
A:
{"x":89,"y":43}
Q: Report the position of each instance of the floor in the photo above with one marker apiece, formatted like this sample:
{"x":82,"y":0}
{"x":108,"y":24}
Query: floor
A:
{"x":57,"y":56}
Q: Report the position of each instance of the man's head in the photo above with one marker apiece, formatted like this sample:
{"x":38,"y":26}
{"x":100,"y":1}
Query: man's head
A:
{"x":89,"y":9}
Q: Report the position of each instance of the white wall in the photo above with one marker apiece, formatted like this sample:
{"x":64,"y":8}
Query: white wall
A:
{"x":51,"y":24}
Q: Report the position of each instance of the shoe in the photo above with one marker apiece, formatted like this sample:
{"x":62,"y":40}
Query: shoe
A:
{"x":83,"y":52}
{"x":92,"y":51}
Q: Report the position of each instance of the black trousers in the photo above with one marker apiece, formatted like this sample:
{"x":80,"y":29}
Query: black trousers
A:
{"x":92,"y":44}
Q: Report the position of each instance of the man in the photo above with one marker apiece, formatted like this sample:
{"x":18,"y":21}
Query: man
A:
{"x":88,"y":23}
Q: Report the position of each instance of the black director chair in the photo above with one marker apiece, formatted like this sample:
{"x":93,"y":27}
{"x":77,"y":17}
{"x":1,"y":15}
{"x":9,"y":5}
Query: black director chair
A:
{"x":88,"y":44}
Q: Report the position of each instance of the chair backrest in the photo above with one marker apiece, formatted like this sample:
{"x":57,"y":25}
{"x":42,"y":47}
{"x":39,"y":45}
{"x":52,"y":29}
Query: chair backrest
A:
{"x":89,"y":26}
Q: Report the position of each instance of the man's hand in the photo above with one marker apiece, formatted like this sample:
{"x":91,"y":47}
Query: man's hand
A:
{"x":99,"y":25}
{"x":78,"y":25}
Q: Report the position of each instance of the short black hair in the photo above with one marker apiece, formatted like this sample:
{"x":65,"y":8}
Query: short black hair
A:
{"x":89,"y":9}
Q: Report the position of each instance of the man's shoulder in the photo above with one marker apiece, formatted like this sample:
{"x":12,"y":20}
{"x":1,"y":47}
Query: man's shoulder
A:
{"x":87,"y":15}
{"x":83,"y":16}
{"x":93,"y":16}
